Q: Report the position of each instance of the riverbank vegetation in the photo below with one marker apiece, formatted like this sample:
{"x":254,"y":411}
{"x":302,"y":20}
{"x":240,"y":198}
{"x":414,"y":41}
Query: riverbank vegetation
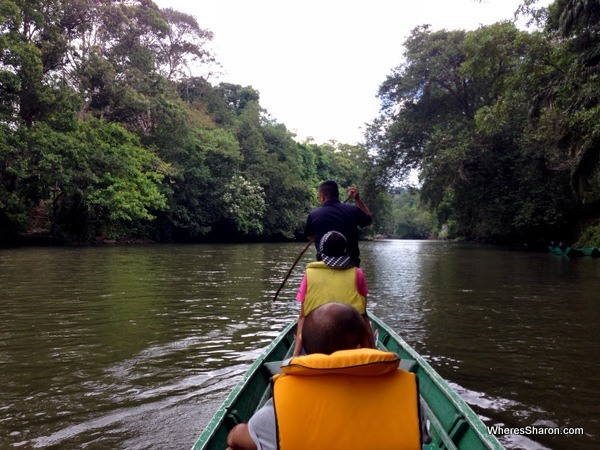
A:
{"x":106,"y":133}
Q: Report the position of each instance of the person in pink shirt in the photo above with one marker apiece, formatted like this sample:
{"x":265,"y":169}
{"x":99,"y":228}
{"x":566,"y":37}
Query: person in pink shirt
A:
{"x":334,"y":279}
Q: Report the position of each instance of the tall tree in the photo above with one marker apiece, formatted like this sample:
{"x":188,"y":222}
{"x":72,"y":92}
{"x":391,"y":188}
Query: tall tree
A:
{"x":34,"y":38}
{"x":182,"y":46}
{"x":115,"y":62}
{"x":457,"y":112}
{"x":569,"y":108}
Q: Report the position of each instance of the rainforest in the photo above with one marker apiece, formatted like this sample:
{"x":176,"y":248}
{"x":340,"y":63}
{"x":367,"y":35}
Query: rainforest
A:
{"x":107,"y":136}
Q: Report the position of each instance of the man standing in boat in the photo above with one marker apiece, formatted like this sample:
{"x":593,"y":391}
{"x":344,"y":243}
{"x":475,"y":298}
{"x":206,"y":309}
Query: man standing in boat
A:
{"x":333,"y":215}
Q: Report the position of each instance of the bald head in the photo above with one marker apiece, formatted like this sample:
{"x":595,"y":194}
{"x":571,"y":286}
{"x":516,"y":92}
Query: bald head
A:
{"x":332,"y":327}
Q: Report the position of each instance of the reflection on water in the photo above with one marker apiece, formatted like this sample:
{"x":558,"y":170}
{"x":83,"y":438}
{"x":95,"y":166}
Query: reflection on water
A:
{"x":514,"y":329}
{"x":130,"y":347}
{"x":397,"y":282}
{"x":137,"y":346}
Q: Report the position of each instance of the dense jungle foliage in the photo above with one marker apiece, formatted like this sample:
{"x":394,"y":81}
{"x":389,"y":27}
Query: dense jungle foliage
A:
{"x":105,"y":133}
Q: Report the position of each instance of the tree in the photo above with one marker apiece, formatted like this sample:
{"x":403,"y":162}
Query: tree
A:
{"x":101,"y":131}
{"x":457,"y":111}
{"x":34,"y":37}
{"x":182,"y":45}
{"x":114,"y":64}
{"x":424,"y":100}
{"x":410,"y":220}
{"x":13,"y":169}
{"x":245,"y":206}
{"x":95,"y":181}
{"x":204,"y":182}
{"x":568,"y":110}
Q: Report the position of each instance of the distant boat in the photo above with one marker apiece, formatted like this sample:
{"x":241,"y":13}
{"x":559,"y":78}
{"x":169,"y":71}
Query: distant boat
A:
{"x":453,"y":424}
{"x":575,"y":251}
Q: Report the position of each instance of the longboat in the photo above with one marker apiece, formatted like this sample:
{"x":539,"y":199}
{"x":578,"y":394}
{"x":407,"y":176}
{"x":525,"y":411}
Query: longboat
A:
{"x":574,"y":251}
{"x":452,"y":423}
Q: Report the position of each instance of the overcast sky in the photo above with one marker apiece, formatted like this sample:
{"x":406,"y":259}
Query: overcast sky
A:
{"x":318,"y":63}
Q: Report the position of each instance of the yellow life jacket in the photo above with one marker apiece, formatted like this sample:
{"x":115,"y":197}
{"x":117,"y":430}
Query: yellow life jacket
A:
{"x":351,"y":399}
{"x":325,"y":284}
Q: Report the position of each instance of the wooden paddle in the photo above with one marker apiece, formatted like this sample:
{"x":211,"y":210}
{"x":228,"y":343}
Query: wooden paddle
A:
{"x":296,"y":262}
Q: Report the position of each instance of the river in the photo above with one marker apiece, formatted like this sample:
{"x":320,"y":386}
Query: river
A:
{"x":135,"y":347}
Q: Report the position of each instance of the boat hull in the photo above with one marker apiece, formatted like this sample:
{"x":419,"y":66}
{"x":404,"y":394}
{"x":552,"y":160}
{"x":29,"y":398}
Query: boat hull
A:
{"x":453,"y":424}
{"x":574,"y":252}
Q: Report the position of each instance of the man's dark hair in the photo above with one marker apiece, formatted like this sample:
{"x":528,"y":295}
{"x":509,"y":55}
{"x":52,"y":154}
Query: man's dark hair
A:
{"x":332,"y":327}
{"x":329,"y":189}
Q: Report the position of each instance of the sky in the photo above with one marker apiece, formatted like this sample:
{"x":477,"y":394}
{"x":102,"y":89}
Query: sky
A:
{"x":318,"y":64}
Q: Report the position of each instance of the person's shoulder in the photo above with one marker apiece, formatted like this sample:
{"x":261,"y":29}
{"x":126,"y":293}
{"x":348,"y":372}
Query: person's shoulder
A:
{"x":346,"y":205}
{"x":312,"y":214}
{"x":353,"y":208}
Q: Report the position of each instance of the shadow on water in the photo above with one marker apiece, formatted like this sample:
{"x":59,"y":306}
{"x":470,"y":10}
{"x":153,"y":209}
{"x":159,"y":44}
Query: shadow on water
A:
{"x":137,"y":346}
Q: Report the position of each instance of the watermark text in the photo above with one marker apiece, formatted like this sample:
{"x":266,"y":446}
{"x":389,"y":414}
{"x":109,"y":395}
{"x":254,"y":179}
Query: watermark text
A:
{"x":535,"y":430}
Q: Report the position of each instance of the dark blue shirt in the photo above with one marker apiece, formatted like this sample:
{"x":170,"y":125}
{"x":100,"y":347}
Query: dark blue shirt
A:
{"x":333,"y":215}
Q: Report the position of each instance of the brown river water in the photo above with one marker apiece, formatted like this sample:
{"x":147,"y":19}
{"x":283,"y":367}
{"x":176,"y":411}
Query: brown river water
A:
{"x":135,"y":347}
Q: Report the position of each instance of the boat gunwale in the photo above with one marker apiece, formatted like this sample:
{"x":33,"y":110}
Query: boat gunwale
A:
{"x":472,"y":418}
{"x":219,"y":417}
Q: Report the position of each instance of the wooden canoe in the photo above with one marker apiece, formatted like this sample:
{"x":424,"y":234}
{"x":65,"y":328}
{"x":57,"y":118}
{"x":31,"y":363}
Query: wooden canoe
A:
{"x":453,"y":424}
